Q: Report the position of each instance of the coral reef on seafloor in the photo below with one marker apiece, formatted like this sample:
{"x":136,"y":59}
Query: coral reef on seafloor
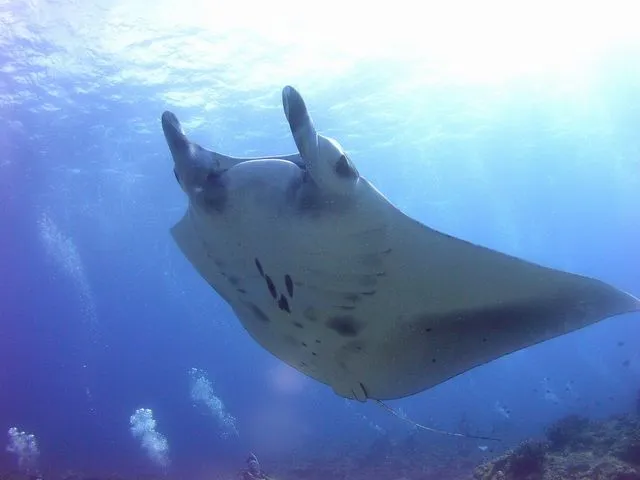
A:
{"x":575,"y":448}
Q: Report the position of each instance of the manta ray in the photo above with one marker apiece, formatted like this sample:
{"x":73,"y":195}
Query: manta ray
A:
{"x":324,"y":272}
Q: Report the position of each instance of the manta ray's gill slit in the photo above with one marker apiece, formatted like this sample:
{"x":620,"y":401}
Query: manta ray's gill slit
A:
{"x":345,"y":307}
{"x":345,"y":325}
{"x":351,"y":297}
{"x":356,"y":346}
{"x":358,"y":275}
{"x":315,"y":354}
{"x":257,"y":312}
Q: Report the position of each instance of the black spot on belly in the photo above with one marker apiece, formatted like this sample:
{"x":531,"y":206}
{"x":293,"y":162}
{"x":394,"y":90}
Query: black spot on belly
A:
{"x":283,"y":303}
{"x":298,"y":324}
{"x":344,"y":325}
{"x":289,"y":284}
{"x":241,"y":290}
{"x":233,"y":280}
{"x":259,"y":267}
{"x":271,"y":286}
{"x":257,"y":312}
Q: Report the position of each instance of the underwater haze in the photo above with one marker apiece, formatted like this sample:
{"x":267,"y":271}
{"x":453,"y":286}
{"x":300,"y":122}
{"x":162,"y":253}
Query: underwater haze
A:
{"x":513,"y":125}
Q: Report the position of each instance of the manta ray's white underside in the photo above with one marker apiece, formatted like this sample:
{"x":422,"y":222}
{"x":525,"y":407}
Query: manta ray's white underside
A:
{"x":334,"y":280}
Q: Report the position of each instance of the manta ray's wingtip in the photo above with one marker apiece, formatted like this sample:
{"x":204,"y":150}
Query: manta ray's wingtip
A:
{"x":627,"y":302}
{"x":636,"y":303}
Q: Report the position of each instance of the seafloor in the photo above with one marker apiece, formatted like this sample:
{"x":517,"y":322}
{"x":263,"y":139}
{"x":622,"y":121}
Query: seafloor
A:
{"x":574,"y":448}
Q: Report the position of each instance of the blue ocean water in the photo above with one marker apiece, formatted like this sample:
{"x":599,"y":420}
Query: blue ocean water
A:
{"x":497,"y":133}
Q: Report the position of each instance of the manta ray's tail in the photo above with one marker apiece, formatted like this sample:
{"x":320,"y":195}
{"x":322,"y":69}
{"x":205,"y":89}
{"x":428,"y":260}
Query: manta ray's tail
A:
{"x":430,"y":429}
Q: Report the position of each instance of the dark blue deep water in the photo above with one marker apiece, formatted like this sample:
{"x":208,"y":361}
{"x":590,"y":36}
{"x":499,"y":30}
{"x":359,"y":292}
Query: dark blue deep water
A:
{"x":519,"y":134}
